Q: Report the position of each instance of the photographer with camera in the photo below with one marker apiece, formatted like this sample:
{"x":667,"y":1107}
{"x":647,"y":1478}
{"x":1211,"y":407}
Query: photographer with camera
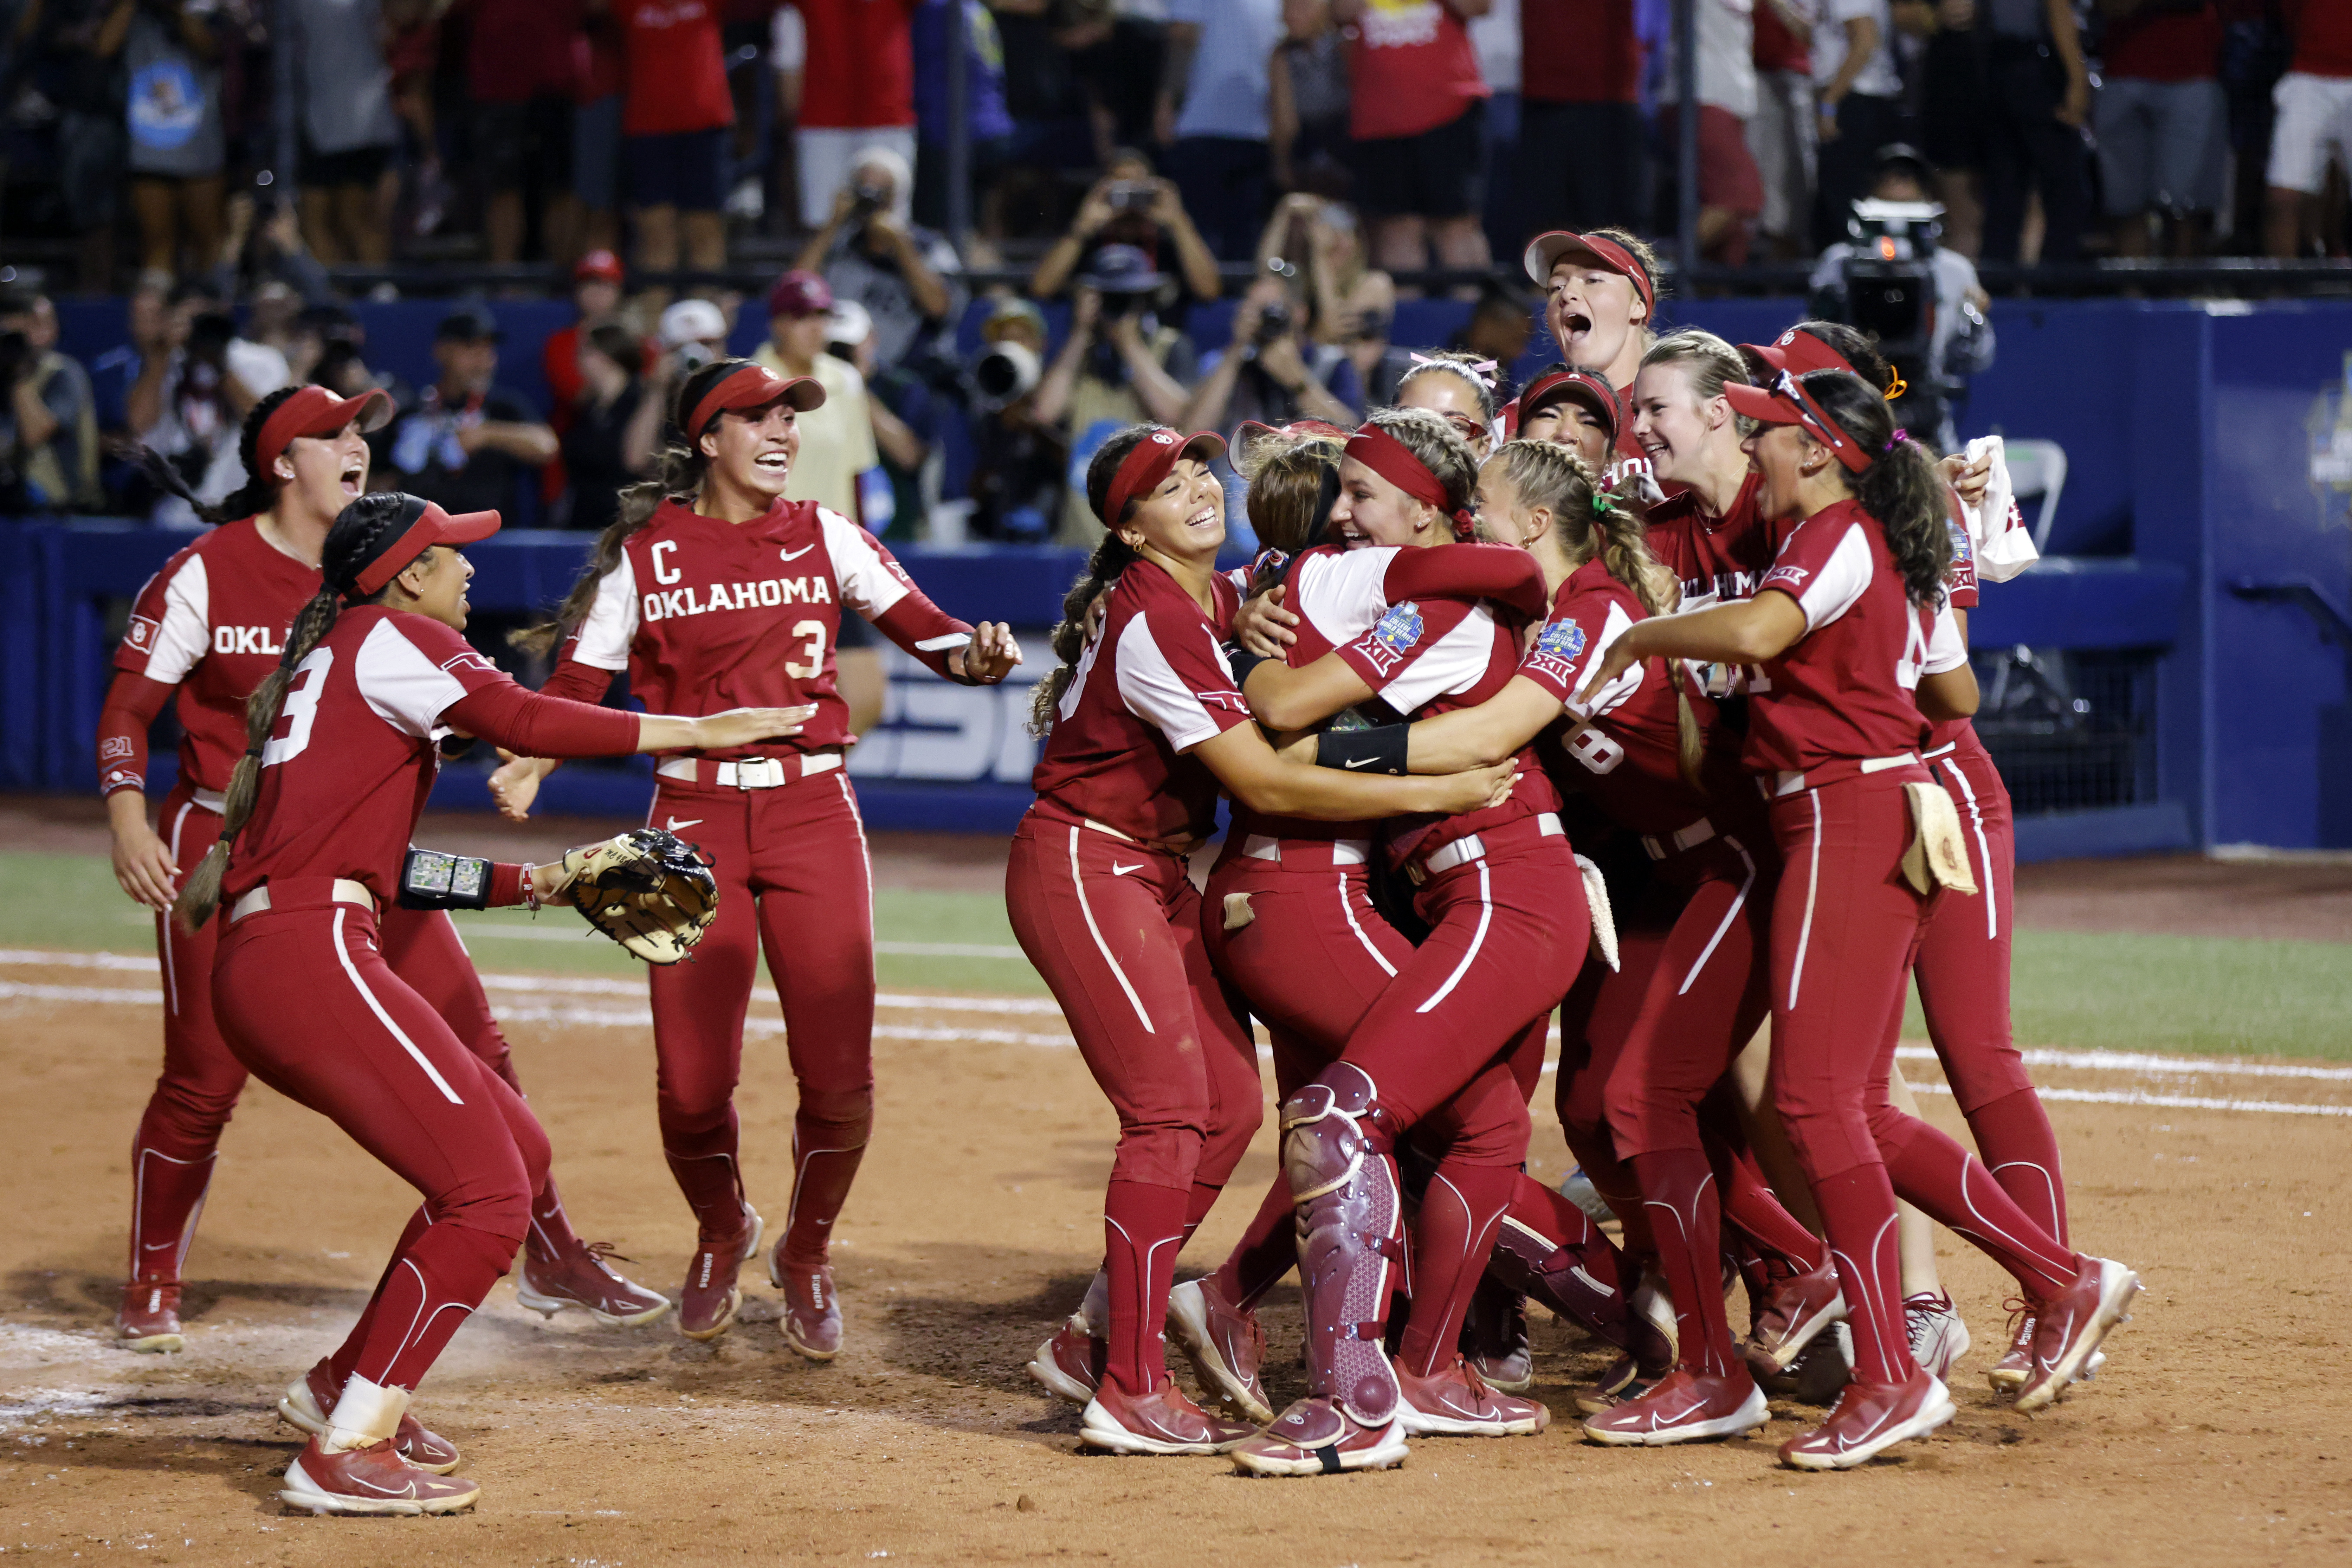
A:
{"x":1017,"y":458}
{"x":1130,"y":206}
{"x":906,"y":278}
{"x":192,"y":394}
{"x":1272,"y":372}
{"x":1896,"y":279}
{"x":48,"y":427}
{"x":1119,"y":366}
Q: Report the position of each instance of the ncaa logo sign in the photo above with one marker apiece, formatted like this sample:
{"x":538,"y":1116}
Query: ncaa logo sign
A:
{"x":1562,"y":640}
{"x":1394,"y":635}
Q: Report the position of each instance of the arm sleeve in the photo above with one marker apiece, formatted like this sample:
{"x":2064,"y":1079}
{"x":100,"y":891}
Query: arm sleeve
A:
{"x":1404,"y":638}
{"x":577,"y":682}
{"x":1946,"y":649}
{"x":602,"y":637}
{"x":1178,"y":683}
{"x":131,"y":705}
{"x":875,"y":586}
{"x":1565,"y":647}
{"x":533,"y":724}
{"x":1502,"y":572}
{"x":1824,"y":570}
{"x":170,"y":622}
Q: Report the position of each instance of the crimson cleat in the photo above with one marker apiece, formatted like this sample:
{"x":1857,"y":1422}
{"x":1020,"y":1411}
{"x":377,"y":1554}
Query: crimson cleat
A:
{"x":1164,"y":1421}
{"x":1868,"y":1419}
{"x":1494,"y":1337}
{"x":1938,"y":1338}
{"x":1454,"y":1402}
{"x":586,"y":1281}
{"x":310,"y":1398}
{"x":709,"y":1302}
{"x":2069,"y":1327}
{"x":1225,"y":1344}
{"x":812,"y":1316}
{"x":1624,"y":1380}
{"x":1315,"y":1437}
{"x":1070,"y":1365}
{"x":1682,"y":1407}
{"x":371,"y":1481}
{"x":149,"y":1318}
{"x":1800,"y":1309}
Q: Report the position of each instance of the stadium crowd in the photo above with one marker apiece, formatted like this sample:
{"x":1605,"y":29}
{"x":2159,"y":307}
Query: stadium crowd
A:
{"x":1120,"y":152}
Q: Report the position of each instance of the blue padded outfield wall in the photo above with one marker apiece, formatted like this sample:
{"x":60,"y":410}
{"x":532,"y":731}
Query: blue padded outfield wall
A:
{"x":2203,"y":537}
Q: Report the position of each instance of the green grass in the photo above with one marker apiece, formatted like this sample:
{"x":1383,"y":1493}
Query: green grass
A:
{"x":2075,"y":989}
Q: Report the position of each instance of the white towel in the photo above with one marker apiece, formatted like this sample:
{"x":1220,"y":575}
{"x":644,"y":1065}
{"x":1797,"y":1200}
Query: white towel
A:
{"x":2004,"y":545}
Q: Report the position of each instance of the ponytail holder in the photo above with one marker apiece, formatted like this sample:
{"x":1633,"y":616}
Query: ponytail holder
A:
{"x":253,"y":752}
{"x":1465,"y":525}
{"x":1897,"y":389}
{"x":1896,"y":440}
{"x":1269,"y":559}
{"x":1603,"y":503}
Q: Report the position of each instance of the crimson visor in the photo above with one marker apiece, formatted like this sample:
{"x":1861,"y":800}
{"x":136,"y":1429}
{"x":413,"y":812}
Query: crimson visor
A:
{"x":424,"y":526}
{"x":314,"y":411}
{"x":1154,"y":458}
{"x":751,"y":387}
{"x":1788,"y":403}
{"x":1798,"y":352}
{"x":1547,"y":251}
{"x":1572,"y":386}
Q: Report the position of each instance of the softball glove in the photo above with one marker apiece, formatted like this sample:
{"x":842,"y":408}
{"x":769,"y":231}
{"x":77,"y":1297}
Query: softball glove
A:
{"x":647,"y":889}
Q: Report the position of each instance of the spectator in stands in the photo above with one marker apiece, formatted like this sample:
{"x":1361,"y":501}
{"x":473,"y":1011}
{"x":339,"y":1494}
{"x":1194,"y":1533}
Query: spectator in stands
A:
{"x":328,"y":347}
{"x":906,"y":279}
{"x":897,"y":492}
{"x":50,"y":434}
{"x":347,"y":130}
{"x":1214,"y":109}
{"x":192,"y":394}
{"x":1952,"y":92}
{"x":2037,"y":103}
{"x":987,"y":124}
{"x":1781,"y":137}
{"x":674,"y":125}
{"x":1120,"y":366}
{"x":1017,"y":460}
{"x":1730,"y":192}
{"x":468,"y":442}
{"x":858,"y":94}
{"x":1118,"y":52}
{"x":1130,"y":207}
{"x":836,"y":439}
{"x":614,"y":426}
{"x":1856,"y":111}
{"x":693,"y":333}
{"x":1494,"y":38}
{"x":1349,"y":304}
{"x":596,"y":279}
{"x":178,"y":147}
{"x":1272,"y":372}
{"x":1418,"y":117}
{"x":1580,"y":162}
{"x":2313,"y":129}
{"x":1498,"y":328}
{"x":1308,"y":111}
{"x":2162,"y":123}
{"x":597,"y":108}
{"x":58,"y":49}
{"x":520,"y":75}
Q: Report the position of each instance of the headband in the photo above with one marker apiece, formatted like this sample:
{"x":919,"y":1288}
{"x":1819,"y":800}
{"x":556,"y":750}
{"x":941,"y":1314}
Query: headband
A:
{"x":1393,"y":462}
{"x":1481,"y":371}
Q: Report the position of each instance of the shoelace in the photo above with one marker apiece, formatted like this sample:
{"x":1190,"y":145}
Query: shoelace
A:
{"x":603,"y":1255}
{"x":1920,"y":1313}
{"x":2021,"y":1313}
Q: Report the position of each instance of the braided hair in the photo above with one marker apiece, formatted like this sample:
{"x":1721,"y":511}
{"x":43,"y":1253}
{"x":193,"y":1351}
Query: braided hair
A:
{"x":1464,"y":367}
{"x":359,"y":528}
{"x":1110,"y":560}
{"x":259,"y":491}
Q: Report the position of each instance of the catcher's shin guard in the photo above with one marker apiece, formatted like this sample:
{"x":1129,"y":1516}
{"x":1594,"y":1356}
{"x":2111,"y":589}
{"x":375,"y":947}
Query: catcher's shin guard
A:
{"x":1336,"y":1152}
{"x":1531,"y":1264}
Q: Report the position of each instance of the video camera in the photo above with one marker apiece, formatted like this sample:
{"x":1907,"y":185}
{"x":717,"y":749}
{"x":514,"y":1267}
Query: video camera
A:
{"x":1890,"y":278}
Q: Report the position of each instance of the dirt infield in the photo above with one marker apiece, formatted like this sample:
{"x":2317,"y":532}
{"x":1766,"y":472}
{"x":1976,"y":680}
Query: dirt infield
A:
{"x":2208,"y":1438}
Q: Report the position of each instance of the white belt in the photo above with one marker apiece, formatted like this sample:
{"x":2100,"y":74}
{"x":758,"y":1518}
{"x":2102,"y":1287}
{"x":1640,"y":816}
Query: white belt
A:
{"x":1690,"y":837}
{"x":346,"y":892}
{"x":1792,"y":784}
{"x":1470,"y":846}
{"x":756,"y":773}
{"x":1344,"y":851}
{"x":210,"y":800}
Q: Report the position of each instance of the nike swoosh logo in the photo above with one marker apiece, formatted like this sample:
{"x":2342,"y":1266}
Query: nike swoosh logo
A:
{"x":407,"y":1489}
{"x":796,"y":554}
{"x":675,"y":824}
{"x":157,"y":1246}
{"x":1356,"y":763}
{"x":1118,"y":871}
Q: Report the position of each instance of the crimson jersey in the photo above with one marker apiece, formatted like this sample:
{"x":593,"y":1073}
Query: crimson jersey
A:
{"x":1151,"y":687}
{"x":706,"y":616}
{"x":347,"y":769}
{"x":1717,"y":560}
{"x":212,"y":622}
{"x":1844,"y":688}
{"x":1628,"y":758}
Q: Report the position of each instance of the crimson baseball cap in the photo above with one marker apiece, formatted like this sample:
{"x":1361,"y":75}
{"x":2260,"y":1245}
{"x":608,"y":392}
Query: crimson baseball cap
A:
{"x":422,"y":525}
{"x":1546,"y":252}
{"x":799,"y":293}
{"x":1154,"y":457}
{"x":1572,"y":386}
{"x":1799,"y":352}
{"x":602,"y":265}
{"x":1786,"y":402}
{"x":750,"y":385}
{"x":314,"y":411}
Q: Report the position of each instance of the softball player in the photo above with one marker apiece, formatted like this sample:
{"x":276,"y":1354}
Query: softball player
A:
{"x":1712,"y":534}
{"x":341,"y":747}
{"x":210,"y":626}
{"x":1457,"y":387}
{"x":1842,"y":632}
{"x":711,"y":590}
{"x":1146,"y":724}
{"x":1575,"y":408}
{"x":1600,"y":300}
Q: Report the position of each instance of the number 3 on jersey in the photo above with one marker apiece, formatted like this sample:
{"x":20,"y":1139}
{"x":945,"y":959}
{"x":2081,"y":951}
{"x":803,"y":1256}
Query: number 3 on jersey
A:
{"x":300,"y":709}
{"x":811,"y":664}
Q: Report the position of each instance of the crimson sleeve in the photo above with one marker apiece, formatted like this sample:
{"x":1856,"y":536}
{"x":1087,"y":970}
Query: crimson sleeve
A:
{"x":131,"y":705}
{"x":532,"y":724}
{"x":1504,"y":572}
{"x":577,"y":682}
{"x":914,"y":620}
{"x":506,"y":884}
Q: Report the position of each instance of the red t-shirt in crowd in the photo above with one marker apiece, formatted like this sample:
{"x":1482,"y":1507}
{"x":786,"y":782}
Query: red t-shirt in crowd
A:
{"x":1151,"y":687}
{"x":1845,"y":690}
{"x":2166,"y":46}
{"x":212,"y":622}
{"x":1775,"y":48}
{"x":1579,"y":51}
{"x":677,"y":68}
{"x":2323,"y":37}
{"x":521,"y":49}
{"x":861,"y":64}
{"x":1410,"y":68}
{"x":596,"y":72}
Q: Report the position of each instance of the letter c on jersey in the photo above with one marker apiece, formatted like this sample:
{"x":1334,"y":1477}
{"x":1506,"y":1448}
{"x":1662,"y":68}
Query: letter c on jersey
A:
{"x":663,"y":574}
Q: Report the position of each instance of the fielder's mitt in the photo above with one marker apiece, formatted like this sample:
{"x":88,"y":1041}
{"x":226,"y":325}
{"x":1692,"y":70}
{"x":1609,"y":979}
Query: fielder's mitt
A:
{"x":648,"y":890}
